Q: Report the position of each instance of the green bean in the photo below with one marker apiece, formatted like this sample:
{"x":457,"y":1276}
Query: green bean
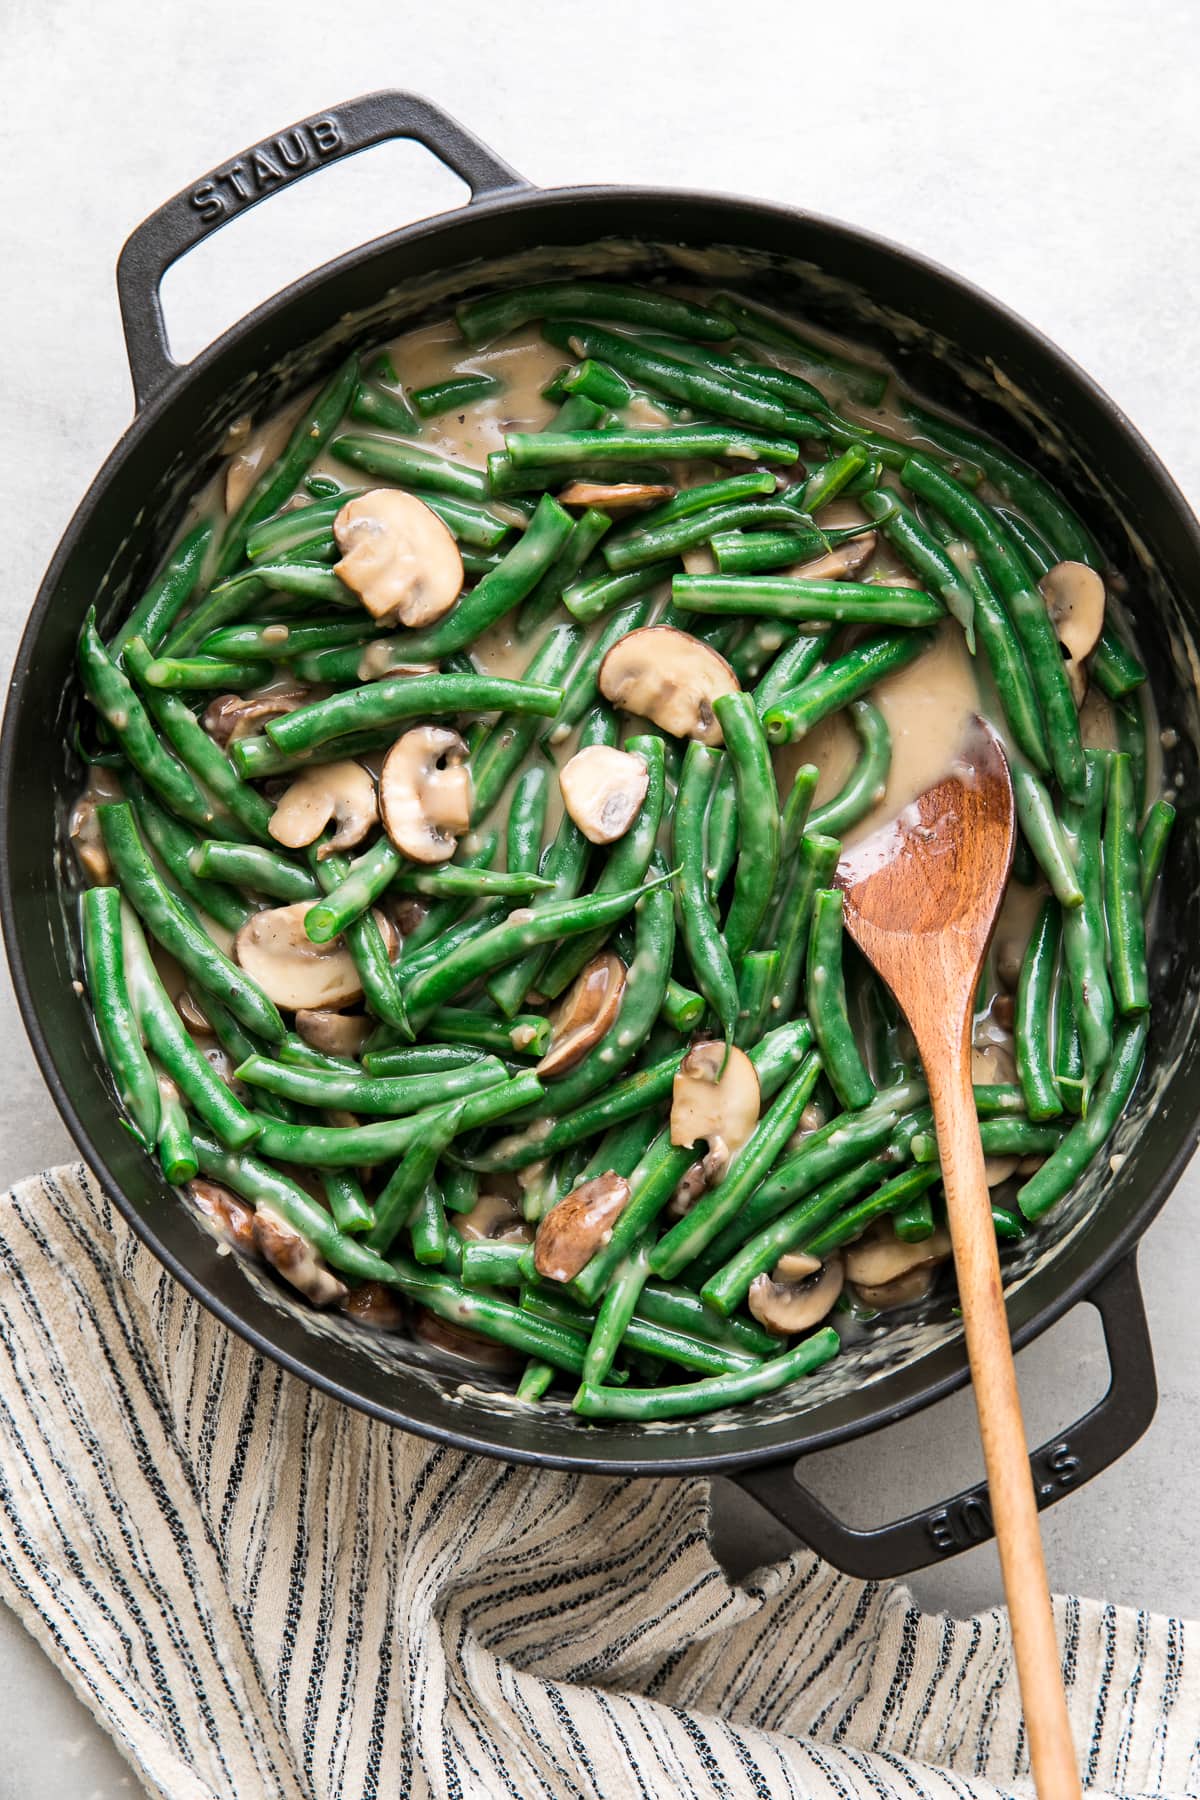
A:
{"x":352,"y":1146}
{"x":363,"y":939}
{"x":1115,"y":670}
{"x":897,"y":1193}
{"x":452,"y":395}
{"x":840,"y":1055}
{"x":387,"y":409}
{"x":924,"y":556}
{"x":205,"y":760}
{"x":758,"y":811}
{"x":257,"y":1182}
{"x":1068,"y":1048}
{"x":795,"y":818}
{"x":427,"y":1225}
{"x":588,"y":600}
{"x":999,"y":1137}
{"x":761,"y":327}
{"x":171,"y":1045}
{"x":583,"y":685}
{"x":615,"y":1316}
{"x":230,"y":600}
{"x":274,"y":642}
{"x":742,"y":371}
{"x":116,"y":1021}
{"x":366,"y":879}
{"x":495,"y":315}
{"x":714,"y":1210}
{"x":109,"y":690}
{"x":638,"y":1094}
{"x":1006,"y":566}
{"x":707,"y":952}
{"x":295,"y":528}
{"x":692,"y":1397}
{"x":424,"y":471}
{"x":1109,"y":1099}
{"x":853,"y":471}
{"x":1043,"y":831}
{"x":255,"y":758}
{"x":426,"y":954}
{"x":758,"y":979}
{"x":308,"y":439}
{"x":1155,"y":835}
{"x":489,"y":1316}
{"x":701,"y":498}
{"x":593,"y":380}
{"x":791,"y":597}
{"x":1131,"y":739}
{"x":247,"y":865}
{"x":177,"y":931}
{"x":641,"y":1336}
{"x":389,"y":1097}
{"x":201,"y":673}
{"x":681,"y":1310}
{"x":168,"y":593}
{"x":460,"y":1187}
{"x":542,"y":599}
{"x":628,"y":861}
{"x":491,"y":1264}
{"x":1034,"y":1022}
{"x":839,"y":682}
{"x":1084,"y":943}
{"x":176,"y":1151}
{"x":175,"y":846}
{"x":577,"y":450}
{"x":914,"y":1221}
{"x":1009,"y":669}
{"x":535,"y":1381}
{"x":1123,"y":915}
{"x":400,"y":697}
{"x":494,"y":762}
{"x":868,"y":783}
{"x":651,"y":543}
{"x":351,"y":1210}
{"x":814,"y":865}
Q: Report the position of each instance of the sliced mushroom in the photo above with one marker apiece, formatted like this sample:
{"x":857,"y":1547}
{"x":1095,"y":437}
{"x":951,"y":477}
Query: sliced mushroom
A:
{"x":193,"y":1014}
{"x":709,"y":1101}
{"x":841,"y":563}
{"x":398,"y":557}
{"x":615,"y":496}
{"x":1074,"y":597}
{"x":291,"y":1255}
{"x":493,"y":1219}
{"x":229,"y":1216}
{"x":785,"y":1304}
{"x":274,"y":948}
{"x":796,"y":1265}
{"x":603,"y":789}
{"x":579,"y":1225}
{"x":232,"y":716}
{"x":456,"y":1340}
{"x":425,"y":793}
{"x":333,"y":1033}
{"x":881,"y":1257}
{"x":379,"y":659}
{"x":998,"y":1169}
{"x":697,"y":1180}
{"x":585,"y":1013}
{"x":88,"y":843}
{"x":670,"y":678}
{"x":341,"y":791}
{"x":374,"y":1305}
{"x":901,"y":1292}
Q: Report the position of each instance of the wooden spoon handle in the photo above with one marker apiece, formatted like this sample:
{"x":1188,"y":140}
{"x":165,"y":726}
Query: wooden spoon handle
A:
{"x":1002,"y":1429}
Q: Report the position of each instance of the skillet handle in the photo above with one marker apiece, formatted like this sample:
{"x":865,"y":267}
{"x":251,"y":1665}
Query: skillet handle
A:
{"x":1065,"y":1463}
{"x":235,"y":186}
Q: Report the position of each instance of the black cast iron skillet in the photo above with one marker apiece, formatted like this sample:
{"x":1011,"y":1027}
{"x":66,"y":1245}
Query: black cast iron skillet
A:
{"x":953,"y":344}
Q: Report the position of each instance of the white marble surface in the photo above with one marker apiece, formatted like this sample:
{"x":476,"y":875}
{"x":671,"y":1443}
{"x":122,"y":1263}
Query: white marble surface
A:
{"x":1046,"y":152}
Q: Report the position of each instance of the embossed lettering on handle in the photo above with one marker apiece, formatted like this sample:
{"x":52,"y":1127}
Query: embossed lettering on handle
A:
{"x":268,"y":166}
{"x":968,"y":1519}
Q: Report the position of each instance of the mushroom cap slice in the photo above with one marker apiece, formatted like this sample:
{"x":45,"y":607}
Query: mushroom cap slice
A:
{"x":457,"y":1340}
{"x":342,"y":791}
{"x":229,"y":1215}
{"x":669,"y":677}
{"x":1074,"y":596}
{"x":841,"y":563}
{"x":615,"y":496}
{"x":581,"y":1223}
{"x":493,"y":1219}
{"x":398,"y":557}
{"x":425,"y":793}
{"x":232,"y":716}
{"x":603,"y":789}
{"x":882,"y":1257}
{"x":276,"y":951}
{"x":785,"y":1306}
{"x":291,"y":1254}
{"x":334,"y":1033}
{"x":374,"y":1305}
{"x":585,"y":1013}
{"x":710,"y":1102}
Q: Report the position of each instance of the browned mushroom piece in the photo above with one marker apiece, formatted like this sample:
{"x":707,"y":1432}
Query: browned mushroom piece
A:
{"x":291,"y":1255}
{"x":699,"y":1178}
{"x":797,"y":1294}
{"x":425,"y":793}
{"x":615,"y":496}
{"x":1074,"y":596}
{"x":493,"y":1219}
{"x":579,"y":1225}
{"x":585,"y":1013}
{"x":668,"y":677}
{"x":232,"y":716}
{"x":398,"y":557}
{"x":339,"y":791}
{"x":457,"y":1340}
{"x":841,"y":563}
{"x":374,"y":1305}
{"x":887,"y":1272}
{"x":83,"y":827}
{"x":193,"y":1014}
{"x":227,"y":1214}
{"x":715,"y":1096}
{"x":333,"y":1033}
{"x":276,"y":951}
{"x":603,"y":789}
{"x":378,"y":660}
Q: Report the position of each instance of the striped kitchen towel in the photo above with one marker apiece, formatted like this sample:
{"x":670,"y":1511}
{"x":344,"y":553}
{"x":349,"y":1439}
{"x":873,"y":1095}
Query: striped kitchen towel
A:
{"x":261,"y":1594}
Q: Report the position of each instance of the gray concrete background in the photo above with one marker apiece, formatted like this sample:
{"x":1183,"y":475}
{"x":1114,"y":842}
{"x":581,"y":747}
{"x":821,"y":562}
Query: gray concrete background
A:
{"x":1048,"y":153}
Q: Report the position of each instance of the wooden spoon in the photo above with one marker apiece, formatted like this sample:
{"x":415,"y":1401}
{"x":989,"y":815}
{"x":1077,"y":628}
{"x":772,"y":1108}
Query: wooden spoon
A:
{"x":921,"y":898}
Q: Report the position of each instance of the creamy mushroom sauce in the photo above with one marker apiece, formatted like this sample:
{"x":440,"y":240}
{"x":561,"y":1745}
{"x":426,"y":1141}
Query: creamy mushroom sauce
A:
{"x":927,"y":705}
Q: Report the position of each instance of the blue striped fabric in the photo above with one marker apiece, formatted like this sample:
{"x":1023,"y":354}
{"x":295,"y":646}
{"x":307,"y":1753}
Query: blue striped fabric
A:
{"x":264,"y":1596}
